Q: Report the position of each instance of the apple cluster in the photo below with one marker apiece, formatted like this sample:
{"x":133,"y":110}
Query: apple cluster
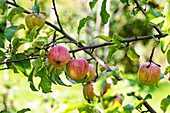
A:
{"x":78,"y":69}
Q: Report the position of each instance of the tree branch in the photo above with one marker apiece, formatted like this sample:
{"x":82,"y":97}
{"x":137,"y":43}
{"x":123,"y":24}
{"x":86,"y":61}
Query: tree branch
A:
{"x":18,"y":60}
{"x":145,"y":103}
{"x":143,"y":11}
{"x":55,"y":10}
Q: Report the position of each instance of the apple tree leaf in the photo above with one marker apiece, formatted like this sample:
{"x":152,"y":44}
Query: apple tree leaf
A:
{"x":128,"y":108}
{"x":165,"y":103}
{"x":112,"y":50}
{"x":1,"y":43}
{"x":117,"y":39}
{"x":15,"y":11}
{"x":3,"y":6}
{"x":99,"y":84}
{"x":30,"y":80}
{"x":131,"y":53}
{"x":138,"y":105}
{"x":82,"y":23}
{"x":103,"y":37}
{"x":167,"y":70}
{"x":103,"y":13}
{"x":54,"y":76}
{"x":166,"y":12}
{"x":164,"y":43}
{"x":37,"y":62}
{"x":10,"y":31}
{"x":2,"y":56}
{"x":92,"y":4}
{"x":24,"y":110}
{"x":36,"y":7}
{"x":45,"y":83}
{"x":24,"y":66}
{"x":148,"y":96}
{"x":168,"y":56}
{"x":154,"y":17}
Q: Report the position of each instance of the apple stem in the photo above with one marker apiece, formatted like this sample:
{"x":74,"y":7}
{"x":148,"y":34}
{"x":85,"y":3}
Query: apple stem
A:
{"x":74,"y":56}
{"x":151,"y":56}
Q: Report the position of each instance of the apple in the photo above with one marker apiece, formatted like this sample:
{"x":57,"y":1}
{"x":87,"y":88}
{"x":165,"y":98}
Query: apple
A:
{"x":88,"y":91}
{"x":149,"y":75}
{"x":91,"y":73}
{"x":58,"y":56}
{"x":33,"y":20}
{"x":77,"y":68}
{"x":108,"y":84}
{"x":118,"y":98}
{"x":109,"y":102}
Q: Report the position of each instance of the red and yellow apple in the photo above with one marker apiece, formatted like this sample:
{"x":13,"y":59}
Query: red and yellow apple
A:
{"x":91,"y":73}
{"x":33,"y":20}
{"x":108,"y":84}
{"x":77,"y":68}
{"x":88,"y":91}
{"x":148,"y":73}
{"x":109,"y":102}
{"x":58,"y":56}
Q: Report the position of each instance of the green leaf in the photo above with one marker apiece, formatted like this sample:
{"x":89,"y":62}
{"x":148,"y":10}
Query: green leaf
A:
{"x":165,"y":103}
{"x":10,"y":31}
{"x":168,"y":56}
{"x":24,"y":66}
{"x":54,"y":76}
{"x":166,"y":24}
{"x":3,"y":6}
{"x":128,"y":108}
{"x":103,"y":13}
{"x":45,"y":83}
{"x":125,"y":1}
{"x":117,"y":39}
{"x":112,"y":50}
{"x":32,"y":35}
{"x":12,"y":66}
{"x":103,"y":37}
{"x":36,"y":7}
{"x":164,"y":43}
{"x":2,"y":56}
{"x":92,"y":4}
{"x":154,"y":17}
{"x":82,"y":22}
{"x":99,"y":84}
{"x":167,"y":70}
{"x":30,"y":80}
{"x":24,"y":110}
{"x":1,"y":43}
{"x":138,"y":105}
{"x":16,"y":43}
{"x":15,"y":11}
{"x":131,"y":53}
{"x":37,"y":62}
{"x":148,"y":96}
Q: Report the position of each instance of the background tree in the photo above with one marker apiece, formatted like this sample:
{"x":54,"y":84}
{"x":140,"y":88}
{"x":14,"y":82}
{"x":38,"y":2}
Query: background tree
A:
{"x":138,"y":32}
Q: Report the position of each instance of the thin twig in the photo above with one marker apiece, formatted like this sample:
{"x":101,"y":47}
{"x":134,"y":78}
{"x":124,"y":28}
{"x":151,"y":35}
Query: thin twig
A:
{"x":55,"y":10}
{"x":18,"y":60}
{"x":145,"y":103}
{"x":143,"y":11}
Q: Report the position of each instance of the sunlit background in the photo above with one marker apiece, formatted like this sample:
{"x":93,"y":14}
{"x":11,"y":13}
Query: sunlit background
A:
{"x":15,"y":93}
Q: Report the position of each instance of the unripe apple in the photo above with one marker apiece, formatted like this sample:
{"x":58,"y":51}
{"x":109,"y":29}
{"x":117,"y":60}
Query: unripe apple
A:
{"x":109,"y":103}
{"x":108,"y":84}
{"x":58,"y":56}
{"x":88,"y":91}
{"x":91,"y":73}
{"x":77,"y":68}
{"x":33,"y":20}
{"x":118,"y":98}
{"x":149,"y":75}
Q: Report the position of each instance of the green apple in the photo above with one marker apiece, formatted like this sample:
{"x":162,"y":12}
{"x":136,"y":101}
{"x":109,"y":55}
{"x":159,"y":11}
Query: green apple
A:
{"x":35,"y":19}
